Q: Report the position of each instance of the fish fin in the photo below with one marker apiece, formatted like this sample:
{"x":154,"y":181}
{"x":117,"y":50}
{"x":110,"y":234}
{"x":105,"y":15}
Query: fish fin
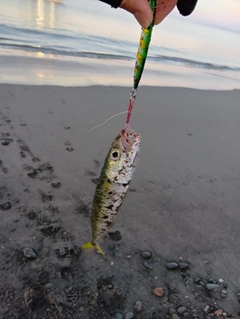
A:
{"x":90,"y":245}
{"x":99,"y":249}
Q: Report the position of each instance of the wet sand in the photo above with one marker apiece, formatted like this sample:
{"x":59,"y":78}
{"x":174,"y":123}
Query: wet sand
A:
{"x":183,"y":204}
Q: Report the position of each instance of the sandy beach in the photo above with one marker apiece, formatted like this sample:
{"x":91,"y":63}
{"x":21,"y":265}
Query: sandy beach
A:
{"x":183,"y":204}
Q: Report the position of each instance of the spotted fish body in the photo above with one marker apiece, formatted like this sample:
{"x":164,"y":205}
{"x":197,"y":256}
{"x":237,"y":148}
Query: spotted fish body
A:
{"x":143,"y":48}
{"x":114,"y":182}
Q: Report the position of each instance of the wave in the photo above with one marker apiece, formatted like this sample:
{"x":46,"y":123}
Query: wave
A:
{"x":61,"y":50}
{"x":80,"y":45}
{"x":193,"y":63}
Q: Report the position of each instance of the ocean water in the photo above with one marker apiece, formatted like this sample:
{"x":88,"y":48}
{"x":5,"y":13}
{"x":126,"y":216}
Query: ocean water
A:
{"x":84,"y":42}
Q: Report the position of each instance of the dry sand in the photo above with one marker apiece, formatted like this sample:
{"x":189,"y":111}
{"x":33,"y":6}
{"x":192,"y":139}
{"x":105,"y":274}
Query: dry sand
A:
{"x":184,"y":203}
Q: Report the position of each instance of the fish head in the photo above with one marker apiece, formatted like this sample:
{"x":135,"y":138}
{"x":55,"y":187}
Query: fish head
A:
{"x":122,"y":157}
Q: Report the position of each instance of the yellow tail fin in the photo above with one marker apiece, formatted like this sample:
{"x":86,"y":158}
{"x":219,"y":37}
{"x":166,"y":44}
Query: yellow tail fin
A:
{"x":90,"y":245}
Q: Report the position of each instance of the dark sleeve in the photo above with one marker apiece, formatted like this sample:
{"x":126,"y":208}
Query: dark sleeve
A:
{"x":186,"y":7}
{"x":113,"y":3}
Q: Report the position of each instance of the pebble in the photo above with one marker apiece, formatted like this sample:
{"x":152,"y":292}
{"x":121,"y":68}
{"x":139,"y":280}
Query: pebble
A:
{"x":218,"y":312}
{"x":211,"y":281}
{"x":138,"y":306}
{"x":206,"y":308}
{"x":221,"y":280}
{"x":172,"y":310}
{"x":181,"y":309}
{"x":29,"y":253}
{"x":175,"y":316}
{"x":146,"y":254}
{"x":118,"y":316}
{"x":129,"y":257}
{"x":183,"y":265}
{"x":129,"y":315}
{"x":224,"y":314}
{"x":197,"y":280}
{"x":224,"y":292}
{"x":158,"y":292}
{"x":212,"y":286}
{"x":147,"y":265}
{"x":172,"y":265}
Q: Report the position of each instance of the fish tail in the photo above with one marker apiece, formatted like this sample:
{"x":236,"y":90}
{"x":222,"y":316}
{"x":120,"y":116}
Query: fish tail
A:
{"x":96,"y":246}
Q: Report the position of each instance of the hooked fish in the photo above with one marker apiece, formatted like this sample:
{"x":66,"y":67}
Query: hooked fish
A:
{"x":113,"y":183}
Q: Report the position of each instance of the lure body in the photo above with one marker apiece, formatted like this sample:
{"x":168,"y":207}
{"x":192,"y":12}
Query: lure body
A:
{"x":113,"y":184}
{"x":140,"y":60}
{"x":142,"y":54}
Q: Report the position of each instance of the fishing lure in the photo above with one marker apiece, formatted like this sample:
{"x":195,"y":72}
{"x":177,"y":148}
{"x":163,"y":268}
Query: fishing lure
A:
{"x":113,"y":183}
{"x":140,"y":60}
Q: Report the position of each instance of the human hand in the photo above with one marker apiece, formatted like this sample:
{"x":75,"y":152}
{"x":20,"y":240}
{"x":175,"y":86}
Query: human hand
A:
{"x":143,"y":13}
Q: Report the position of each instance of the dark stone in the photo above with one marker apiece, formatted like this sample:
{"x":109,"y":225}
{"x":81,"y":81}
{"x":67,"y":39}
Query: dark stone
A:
{"x":172,"y":265}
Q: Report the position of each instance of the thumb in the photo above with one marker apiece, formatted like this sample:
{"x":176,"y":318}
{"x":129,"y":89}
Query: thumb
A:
{"x":140,"y":9}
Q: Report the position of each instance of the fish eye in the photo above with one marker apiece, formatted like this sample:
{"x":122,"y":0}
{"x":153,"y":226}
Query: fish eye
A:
{"x":115,"y":155}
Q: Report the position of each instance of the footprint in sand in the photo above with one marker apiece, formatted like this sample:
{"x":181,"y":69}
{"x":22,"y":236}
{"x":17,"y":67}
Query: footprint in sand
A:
{"x":45,"y":197}
{"x":68,"y":148}
{"x":24,"y":148}
{"x":4,"y":169}
{"x":6,"y":141}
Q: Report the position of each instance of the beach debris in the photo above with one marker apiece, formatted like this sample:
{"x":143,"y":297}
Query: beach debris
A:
{"x":116,"y":235}
{"x":172,"y":265}
{"x":159,"y":292}
{"x":67,"y":127}
{"x":114,"y":181}
{"x":70,"y":149}
{"x":146,"y":254}
{"x":6,"y":206}
{"x":29,"y":253}
{"x":138,"y":306}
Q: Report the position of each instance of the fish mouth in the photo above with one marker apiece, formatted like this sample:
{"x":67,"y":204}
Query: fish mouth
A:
{"x":130,"y":138}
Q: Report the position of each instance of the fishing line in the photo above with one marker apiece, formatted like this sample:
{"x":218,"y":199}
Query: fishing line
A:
{"x":93,"y":128}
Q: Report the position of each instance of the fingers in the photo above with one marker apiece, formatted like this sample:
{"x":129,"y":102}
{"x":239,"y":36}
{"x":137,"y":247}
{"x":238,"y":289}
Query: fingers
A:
{"x":163,"y":9}
{"x":140,"y":9}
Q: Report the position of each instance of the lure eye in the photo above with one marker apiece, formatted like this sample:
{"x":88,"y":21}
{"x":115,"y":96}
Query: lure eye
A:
{"x":115,"y":155}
